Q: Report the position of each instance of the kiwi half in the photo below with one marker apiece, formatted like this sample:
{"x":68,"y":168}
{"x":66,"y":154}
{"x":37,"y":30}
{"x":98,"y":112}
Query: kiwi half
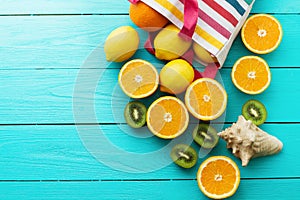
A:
{"x":135,"y":114}
{"x":184,"y":155}
{"x":255,"y":111}
{"x":206,"y":136}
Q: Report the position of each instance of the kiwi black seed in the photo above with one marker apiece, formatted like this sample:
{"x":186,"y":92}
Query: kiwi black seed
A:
{"x":206,"y":136}
{"x":255,"y":111}
{"x":135,"y":114}
{"x":184,"y":155}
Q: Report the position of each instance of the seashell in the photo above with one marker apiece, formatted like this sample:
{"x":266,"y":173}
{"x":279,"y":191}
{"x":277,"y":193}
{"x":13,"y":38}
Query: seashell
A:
{"x":248,"y":141}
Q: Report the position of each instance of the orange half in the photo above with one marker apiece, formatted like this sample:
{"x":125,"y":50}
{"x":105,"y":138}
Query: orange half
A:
{"x":218,"y":177}
{"x":167,"y":117}
{"x":262,"y":33}
{"x":251,"y":75}
{"x":138,"y":78}
{"x":206,"y":99}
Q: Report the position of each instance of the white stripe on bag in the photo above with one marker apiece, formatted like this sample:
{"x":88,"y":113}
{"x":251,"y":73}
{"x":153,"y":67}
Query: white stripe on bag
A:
{"x":243,"y":4}
{"x":216,"y":16}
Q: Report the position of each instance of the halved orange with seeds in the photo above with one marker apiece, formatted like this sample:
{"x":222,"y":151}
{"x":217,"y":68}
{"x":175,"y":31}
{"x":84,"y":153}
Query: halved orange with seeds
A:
{"x":262,"y":33}
{"x":167,"y":117}
{"x":251,"y":74}
{"x":218,"y":177}
{"x":206,"y":99}
{"x":138,"y":78}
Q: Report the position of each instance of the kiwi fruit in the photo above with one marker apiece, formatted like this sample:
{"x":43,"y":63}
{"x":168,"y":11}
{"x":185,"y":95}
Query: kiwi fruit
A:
{"x":135,"y":114}
{"x":255,"y":111}
{"x":206,"y":136}
{"x":184,"y":155}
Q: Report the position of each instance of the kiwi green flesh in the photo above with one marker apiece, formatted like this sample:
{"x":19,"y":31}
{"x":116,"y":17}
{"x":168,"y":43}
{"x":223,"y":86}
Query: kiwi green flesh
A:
{"x":206,"y":136}
{"x":135,"y":114}
{"x":184,"y":155}
{"x":255,"y":111}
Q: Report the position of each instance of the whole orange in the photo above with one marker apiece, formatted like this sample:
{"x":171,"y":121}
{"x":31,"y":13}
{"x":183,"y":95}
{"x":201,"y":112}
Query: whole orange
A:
{"x":146,"y":17}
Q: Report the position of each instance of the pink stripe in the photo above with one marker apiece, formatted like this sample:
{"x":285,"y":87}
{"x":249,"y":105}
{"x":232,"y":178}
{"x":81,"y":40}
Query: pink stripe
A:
{"x":223,"y":12}
{"x":215,"y":25}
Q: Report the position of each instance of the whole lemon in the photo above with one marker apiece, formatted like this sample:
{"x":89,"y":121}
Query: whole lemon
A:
{"x":176,"y":76}
{"x":169,"y":45}
{"x":203,"y":54}
{"x":121,"y":44}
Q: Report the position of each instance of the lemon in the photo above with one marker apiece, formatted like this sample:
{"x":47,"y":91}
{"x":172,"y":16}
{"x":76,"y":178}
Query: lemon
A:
{"x":176,"y":76}
{"x":203,"y":54}
{"x":169,"y":45}
{"x":121,"y":44}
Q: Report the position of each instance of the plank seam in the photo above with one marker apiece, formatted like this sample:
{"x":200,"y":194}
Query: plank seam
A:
{"x":142,"y":180}
{"x":113,"y":124}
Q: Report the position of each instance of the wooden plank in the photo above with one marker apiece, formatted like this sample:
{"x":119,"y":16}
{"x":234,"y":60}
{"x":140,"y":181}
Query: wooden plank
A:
{"x":116,"y":7}
{"x":48,"y":96}
{"x":66,"y":42}
{"x":50,"y":42}
{"x":63,"y":153}
{"x":148,"y":190}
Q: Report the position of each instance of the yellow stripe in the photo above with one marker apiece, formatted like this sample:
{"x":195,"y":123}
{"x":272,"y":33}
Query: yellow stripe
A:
{"x":172,"y":9}
{"x":199,"y":31}
{"x":210,"y":39}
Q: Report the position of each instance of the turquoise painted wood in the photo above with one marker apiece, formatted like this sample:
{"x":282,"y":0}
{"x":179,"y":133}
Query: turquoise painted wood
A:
{"x":148,"y":190}
{"x":46,"y":96}
{"x":57,"y":153}
{"x":115,"y":7}
{"x":44,"y":155}
{"x":53,"y":40}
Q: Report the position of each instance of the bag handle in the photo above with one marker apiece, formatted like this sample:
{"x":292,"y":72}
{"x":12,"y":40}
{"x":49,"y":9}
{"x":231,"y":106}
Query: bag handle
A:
{"x":190,"y":19}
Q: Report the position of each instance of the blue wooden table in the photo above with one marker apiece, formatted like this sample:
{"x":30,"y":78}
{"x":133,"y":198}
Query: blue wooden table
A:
{"x":48,"y":67}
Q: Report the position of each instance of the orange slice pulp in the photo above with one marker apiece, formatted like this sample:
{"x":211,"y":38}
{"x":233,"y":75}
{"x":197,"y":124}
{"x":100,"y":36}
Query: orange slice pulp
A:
{"x":138,"y":78}
{"x":262,"y":33}
{"x":206,"y":99}
{"x":167,"y":117}
{"x":218,"y":177}
{"x":251,"y":75}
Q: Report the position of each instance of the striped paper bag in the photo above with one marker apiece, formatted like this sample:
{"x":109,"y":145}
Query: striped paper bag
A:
{"x":213,"y":24}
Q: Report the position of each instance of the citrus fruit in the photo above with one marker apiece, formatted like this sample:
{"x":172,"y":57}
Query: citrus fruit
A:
{"x":218,"y":177}
{"x":262,"y":33}
{"x":121,"y":44}
{"x":203,"y":55}
{"x":146,"y":17}
{"x":176,"y":76}
{"x":169,"y":45}
{"x":251,"y":75}
{"x":138,"y":78}
{"x":206,"y":99}
{"x":167,"y":117}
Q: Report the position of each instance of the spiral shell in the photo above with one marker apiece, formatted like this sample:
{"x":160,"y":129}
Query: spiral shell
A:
{"x":248,"y":141}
